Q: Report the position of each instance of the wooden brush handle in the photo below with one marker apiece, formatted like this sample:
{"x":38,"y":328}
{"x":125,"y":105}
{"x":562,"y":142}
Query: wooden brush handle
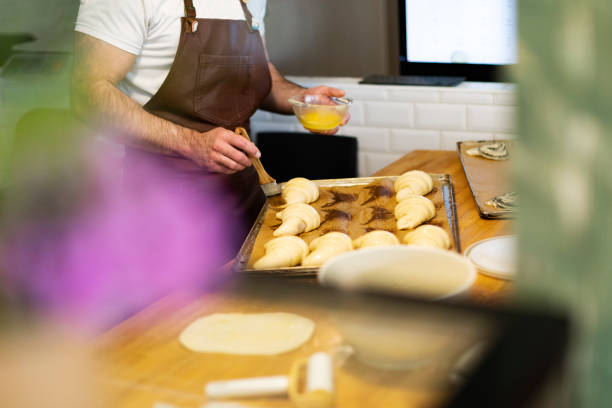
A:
{"x":264,"y":177}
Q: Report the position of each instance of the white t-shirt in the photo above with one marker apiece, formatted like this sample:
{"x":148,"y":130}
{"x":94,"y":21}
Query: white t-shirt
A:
{"x":151,"y":29}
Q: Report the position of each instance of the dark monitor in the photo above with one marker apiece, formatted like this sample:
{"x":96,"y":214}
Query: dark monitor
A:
{"x":475,"y":39}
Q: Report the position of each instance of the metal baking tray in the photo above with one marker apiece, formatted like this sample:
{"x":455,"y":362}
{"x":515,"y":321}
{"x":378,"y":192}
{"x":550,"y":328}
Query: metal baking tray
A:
{"x":443,"y":183}
{"x":486,"y":178}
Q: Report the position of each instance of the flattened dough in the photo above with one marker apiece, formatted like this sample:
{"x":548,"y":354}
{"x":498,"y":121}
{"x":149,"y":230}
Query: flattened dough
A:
{"x":247,"y":334}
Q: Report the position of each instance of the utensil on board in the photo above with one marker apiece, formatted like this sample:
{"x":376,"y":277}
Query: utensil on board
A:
{"x":491,"y":150}
{"x":309,"y":385}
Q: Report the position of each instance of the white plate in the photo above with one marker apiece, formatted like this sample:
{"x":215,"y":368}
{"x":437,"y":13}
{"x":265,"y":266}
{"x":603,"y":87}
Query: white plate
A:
{"x":495,"y":257}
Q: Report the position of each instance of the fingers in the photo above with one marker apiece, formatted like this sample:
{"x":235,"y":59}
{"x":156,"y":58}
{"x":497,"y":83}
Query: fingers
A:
{"x":326,"y":90}
{"x":222,"y":151}
{"x":324,"y":132}
{"x":338,"y":93}
{"x":217,"y":168}
{"x":246,"y":146}
{"x":346,"y":119}
{"x":228,"y":163}
{"x":218,"y":164}
{"x":231,"y":150}
{"x":226,"y":154}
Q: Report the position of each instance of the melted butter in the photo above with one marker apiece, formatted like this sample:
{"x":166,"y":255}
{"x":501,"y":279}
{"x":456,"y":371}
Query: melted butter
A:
{"x":321,"y":120}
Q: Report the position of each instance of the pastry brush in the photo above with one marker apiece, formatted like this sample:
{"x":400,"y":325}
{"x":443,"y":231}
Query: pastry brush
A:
{"x":268,"y":184}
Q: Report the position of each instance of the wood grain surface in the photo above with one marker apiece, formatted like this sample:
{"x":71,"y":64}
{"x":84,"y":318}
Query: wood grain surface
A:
{"x":142,"y":362}
{"x":472,"y":228}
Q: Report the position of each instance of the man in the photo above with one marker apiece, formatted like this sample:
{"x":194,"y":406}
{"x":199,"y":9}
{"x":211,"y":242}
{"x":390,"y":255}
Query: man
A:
{"x":178,"y":76}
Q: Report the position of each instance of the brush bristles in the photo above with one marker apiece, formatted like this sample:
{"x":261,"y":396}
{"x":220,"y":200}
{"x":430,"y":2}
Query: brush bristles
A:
{"x":271,"y":189}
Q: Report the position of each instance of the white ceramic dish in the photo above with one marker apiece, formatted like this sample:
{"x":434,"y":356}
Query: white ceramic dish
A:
{"x":401,"y":340}
{"x":411,"y":270}
{"x":494,"y":257}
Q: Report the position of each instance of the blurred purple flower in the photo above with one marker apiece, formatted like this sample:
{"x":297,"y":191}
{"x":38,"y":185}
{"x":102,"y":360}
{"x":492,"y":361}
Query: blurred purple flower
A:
{"x":133,"y":241}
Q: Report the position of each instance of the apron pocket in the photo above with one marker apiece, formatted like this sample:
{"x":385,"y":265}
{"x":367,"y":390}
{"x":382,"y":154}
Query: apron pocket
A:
{"x":224,"y":92}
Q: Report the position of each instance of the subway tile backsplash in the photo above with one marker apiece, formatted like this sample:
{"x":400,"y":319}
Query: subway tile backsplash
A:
{"x":439,"y":116}
{"x":390,"y":121}
{"x":371,"y":139}
{"x":491,"y":118}
{"x":389,"y":114}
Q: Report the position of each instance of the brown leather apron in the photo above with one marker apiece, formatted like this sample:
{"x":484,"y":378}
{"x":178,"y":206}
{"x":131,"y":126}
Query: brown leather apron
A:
{"x":218,"y":79}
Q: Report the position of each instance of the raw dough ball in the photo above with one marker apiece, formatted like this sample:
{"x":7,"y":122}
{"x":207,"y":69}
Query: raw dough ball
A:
{"x":297,"y":218}
{"x":413,"y":182}
{"x":413,"y":211}
{"x":282,"y":252}
{"x":376,"y":238}
{"x":428,"y":235}
{"x":327,"y":246}
{"x":300,"y":190}
{"x":237,"y":333}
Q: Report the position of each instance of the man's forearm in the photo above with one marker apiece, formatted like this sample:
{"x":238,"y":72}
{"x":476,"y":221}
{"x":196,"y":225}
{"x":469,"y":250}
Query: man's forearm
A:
{"x":102,"y":101}
{"x":282,"y":90}
{"x":95,"y":97}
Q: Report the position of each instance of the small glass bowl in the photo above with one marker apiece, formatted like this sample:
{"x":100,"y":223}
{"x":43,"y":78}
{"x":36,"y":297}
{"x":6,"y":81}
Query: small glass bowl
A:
{"x":320,"y":112}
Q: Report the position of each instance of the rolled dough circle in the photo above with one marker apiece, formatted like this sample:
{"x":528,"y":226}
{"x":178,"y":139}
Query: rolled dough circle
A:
{"x":247,"y":334}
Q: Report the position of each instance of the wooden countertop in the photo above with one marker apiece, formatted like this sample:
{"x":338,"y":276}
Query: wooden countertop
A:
{"x":472,"y":228}
{"x":143,"y":363}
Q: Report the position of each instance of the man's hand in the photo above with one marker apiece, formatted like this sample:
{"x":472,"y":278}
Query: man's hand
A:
{"x":325,"y":91}
{"x":329,"y":92}
{"x":219,"y":150}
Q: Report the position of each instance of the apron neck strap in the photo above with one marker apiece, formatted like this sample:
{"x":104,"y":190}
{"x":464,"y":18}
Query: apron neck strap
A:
{"x":190,"y":11}
{"x":247,"y":14}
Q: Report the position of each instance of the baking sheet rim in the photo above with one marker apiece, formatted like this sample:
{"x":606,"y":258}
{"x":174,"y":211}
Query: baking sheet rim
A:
{"x":448,"y":198}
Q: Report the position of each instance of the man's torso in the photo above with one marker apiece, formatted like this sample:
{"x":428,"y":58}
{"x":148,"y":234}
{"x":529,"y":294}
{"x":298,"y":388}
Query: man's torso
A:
{"x":151,"y":30}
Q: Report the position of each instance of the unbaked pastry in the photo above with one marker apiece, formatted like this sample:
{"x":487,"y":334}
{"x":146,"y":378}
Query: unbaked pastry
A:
{"x":326,"y":247}
{"x":428,"y":235}
{"x":297,"y":218}
{"x":282,"y":252}
{"x":413,"y":210}
{"x":413,"y":182}
{"x":247,"y":334}
{"x":300,"y":190}
{"x":376,"y":238}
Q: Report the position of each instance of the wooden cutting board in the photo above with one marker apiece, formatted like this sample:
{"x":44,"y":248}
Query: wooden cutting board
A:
{"x":352,"y":206}
{"x":487,"y":178}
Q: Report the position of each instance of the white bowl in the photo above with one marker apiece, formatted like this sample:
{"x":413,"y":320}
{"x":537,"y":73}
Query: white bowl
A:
{"x":402,"y":339}
{"x":425,"y":272}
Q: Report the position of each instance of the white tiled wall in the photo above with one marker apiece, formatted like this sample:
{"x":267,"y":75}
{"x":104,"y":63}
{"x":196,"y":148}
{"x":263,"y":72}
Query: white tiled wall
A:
{"x":390,"y":121}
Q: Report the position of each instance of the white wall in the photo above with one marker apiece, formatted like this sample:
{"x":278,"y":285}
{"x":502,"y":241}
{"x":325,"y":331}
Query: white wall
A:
{"x":390,"y":121}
